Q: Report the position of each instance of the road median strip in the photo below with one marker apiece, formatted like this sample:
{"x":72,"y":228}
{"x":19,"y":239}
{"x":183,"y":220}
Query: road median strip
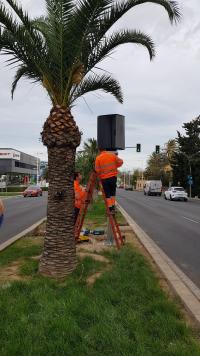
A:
{"x":188,"y":292}
{"x":31,"y":228}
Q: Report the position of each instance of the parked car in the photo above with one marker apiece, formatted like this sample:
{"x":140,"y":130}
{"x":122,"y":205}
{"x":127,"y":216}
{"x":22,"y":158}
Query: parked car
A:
{"x":176,"y":193}
{"x":153,"y":187}
{"x":32,"y":191}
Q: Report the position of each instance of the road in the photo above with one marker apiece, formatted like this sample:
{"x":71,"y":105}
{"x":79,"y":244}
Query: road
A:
{"x":173,"y":225}
{"x":20,"y":214}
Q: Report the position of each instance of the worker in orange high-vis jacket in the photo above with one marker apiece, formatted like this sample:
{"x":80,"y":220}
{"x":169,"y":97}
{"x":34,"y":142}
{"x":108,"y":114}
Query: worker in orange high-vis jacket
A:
{"x":79,"y":194}
{"x":106,"y":166}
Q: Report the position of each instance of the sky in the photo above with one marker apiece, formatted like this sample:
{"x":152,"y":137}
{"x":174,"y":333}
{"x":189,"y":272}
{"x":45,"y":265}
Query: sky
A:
{"x":159,"y":96}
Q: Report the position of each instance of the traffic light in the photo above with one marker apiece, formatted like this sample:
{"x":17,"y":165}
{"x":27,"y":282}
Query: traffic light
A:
{"x":138,"y":147}
{"x":157,"y":149}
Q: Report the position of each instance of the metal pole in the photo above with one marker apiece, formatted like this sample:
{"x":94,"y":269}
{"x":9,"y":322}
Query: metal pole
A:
{"x":37,"y":170}
{"x":110,"y":238}
{"x":190,"y":175}
{"x":124,"y":180}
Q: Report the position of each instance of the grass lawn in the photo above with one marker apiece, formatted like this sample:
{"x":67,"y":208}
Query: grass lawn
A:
{"x":123,"y":313}
{"x":96,"y":215}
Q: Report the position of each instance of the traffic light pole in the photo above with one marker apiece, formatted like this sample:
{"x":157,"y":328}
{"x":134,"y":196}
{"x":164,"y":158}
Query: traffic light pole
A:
{"x":138,"y":147}
{"x":190,"y":168}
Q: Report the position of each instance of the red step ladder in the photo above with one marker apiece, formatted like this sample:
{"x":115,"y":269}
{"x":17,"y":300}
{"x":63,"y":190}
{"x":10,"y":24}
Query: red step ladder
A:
{"x":93,"y":180}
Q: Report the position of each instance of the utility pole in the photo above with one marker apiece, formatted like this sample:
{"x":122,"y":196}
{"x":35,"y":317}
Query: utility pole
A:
{"x":37,"y":174}
{"x":37,"y":166}
{"x":129,"y":178}
{"x":190,"y":185}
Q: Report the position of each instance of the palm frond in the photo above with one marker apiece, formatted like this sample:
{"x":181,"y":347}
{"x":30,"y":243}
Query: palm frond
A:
{"x":95,"y":82}
{"x":105,"y":48}
{"x":62,"y":47}
{"x":54,"y":28}
{"x":17,"y":39}
{"x":34,"y":36}
{"x":120,"y":8}
{"x":23,"y":71}
{"x":17,"y":52}
{"x":83,"y":24}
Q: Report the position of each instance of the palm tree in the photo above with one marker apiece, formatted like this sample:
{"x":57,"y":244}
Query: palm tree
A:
{"x":61,"y":51}
{"x":85,"y":159}
{"x":90,"y":147}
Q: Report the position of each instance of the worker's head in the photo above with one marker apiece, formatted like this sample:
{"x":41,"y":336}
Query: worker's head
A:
{"x":77,"y":176}
{"x":101,"y":149}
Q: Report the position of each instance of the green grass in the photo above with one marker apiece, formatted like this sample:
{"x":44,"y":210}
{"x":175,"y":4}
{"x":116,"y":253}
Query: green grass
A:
{"x":24,"y":248}
{"x":123,"y":313}
{"x":96,"y":215}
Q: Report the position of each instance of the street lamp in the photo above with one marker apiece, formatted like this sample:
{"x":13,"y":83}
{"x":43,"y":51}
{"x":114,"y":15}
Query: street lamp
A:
{"x":37,"y":174}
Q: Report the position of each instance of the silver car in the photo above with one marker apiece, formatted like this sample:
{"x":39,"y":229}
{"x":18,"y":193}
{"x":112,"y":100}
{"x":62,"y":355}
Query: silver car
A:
{"x":176,"y":193}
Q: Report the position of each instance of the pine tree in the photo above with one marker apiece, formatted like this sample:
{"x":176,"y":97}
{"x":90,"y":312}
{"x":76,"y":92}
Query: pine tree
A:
{"x":186,"y":161}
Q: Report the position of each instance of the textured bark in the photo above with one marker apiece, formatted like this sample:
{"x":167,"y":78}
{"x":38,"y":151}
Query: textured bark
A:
{"x":61,"y":135}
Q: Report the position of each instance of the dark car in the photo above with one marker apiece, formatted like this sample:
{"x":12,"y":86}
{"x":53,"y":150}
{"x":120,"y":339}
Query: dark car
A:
{"x":32,"y":191}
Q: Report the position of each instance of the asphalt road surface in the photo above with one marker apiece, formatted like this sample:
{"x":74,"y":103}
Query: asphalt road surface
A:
{"x":20,"y":214}
{"x":173,"y":225}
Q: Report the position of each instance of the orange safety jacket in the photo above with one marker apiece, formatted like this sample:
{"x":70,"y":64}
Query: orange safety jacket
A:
{"x":106,"y":164}
{"x":79,"y":194}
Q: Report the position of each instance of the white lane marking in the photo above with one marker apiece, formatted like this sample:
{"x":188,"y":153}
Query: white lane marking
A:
{"x":194,"y":221}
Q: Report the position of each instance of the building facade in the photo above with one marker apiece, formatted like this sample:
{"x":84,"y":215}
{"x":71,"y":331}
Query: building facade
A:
{"x":140,"y":184}
{"x":18,"y":167}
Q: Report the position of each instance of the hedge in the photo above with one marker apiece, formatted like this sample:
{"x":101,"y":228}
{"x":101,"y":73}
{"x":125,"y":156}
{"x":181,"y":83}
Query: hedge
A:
{"x":20,"y":188}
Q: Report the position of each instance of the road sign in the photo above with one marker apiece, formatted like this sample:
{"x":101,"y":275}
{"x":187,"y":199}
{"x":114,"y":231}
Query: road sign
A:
{"x":190,"y":182}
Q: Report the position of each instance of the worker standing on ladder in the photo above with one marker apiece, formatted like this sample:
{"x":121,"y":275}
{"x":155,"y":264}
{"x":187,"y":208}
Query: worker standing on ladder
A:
{"x":106,"y":166}
{"x":79,"y":194}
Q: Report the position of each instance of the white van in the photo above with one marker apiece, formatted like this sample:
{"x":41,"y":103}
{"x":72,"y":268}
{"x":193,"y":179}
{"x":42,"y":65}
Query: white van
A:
{"x":153,"y":187}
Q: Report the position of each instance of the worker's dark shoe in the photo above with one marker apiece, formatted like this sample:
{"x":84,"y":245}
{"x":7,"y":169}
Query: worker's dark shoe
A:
{"x":112,"y":209}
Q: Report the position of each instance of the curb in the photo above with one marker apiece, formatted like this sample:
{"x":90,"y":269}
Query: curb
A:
{"x":6,"y":244}
{"x":188,"y":292}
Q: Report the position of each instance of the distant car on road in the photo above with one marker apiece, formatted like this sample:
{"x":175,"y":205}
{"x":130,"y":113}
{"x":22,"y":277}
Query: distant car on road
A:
{"x":32,"y":191}
{"x":128,"y":187}
{"x":176,"y":193}
{"x":153,"y":187}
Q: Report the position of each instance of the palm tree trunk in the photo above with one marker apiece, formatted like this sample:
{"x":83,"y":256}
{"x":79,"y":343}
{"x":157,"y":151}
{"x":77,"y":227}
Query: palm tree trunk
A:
{"x":62,"y":136}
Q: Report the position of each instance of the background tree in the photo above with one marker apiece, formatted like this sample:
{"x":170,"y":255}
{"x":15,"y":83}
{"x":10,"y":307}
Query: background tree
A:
{"x":156,"y":168}
{"x":85,"y":159}
{"x":46,"y":174}
{"x":170,"y":149}
{"x":62,"y":51}
{"x":137,"y":173}
{"x":159,"y":165}
{"x":187,"y":156}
